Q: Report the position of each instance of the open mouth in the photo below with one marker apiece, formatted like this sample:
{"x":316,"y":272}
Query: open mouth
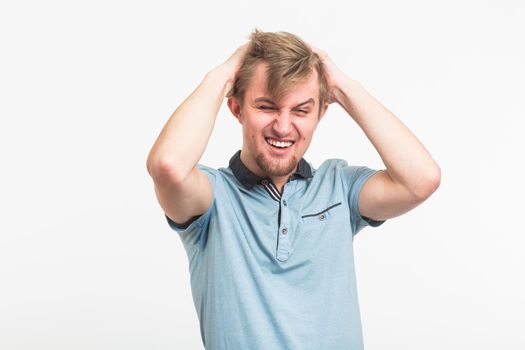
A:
{"x":280,"y":145}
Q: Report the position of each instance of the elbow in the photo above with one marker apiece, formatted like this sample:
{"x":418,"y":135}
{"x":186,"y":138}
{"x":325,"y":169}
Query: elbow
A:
{"x":430,"y":184}
{"x":160,"y":169}
{"x":154,"y":165}
{"x":149,"y":167}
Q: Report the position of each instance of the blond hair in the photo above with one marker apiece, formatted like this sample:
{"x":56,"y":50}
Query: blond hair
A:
{"x":290,"y":62}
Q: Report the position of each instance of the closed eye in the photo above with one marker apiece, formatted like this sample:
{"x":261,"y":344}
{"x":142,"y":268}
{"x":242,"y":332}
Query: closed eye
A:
{"x":302,"y":111}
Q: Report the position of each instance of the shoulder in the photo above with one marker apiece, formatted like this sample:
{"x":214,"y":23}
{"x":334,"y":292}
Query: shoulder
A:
{"x":342,"y":167}
{"x":328,"y":166}
{"x":335,"y":170}
{"x":207,"y":169}
{"x":221,"y":177}
{"x":214,"y":173}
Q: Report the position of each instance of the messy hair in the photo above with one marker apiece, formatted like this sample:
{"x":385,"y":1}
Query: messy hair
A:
{"x":290,"y":62}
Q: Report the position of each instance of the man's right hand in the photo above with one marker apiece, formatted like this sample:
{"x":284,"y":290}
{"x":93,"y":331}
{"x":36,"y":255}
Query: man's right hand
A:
{"x":183,"y":190}
{"x":232,"y":65}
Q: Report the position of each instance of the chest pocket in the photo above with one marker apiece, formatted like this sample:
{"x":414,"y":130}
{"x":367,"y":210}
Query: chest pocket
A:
{"x":321,"y":217}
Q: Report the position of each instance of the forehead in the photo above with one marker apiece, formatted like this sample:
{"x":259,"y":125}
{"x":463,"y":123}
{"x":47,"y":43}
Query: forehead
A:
{"x":299,"y":93}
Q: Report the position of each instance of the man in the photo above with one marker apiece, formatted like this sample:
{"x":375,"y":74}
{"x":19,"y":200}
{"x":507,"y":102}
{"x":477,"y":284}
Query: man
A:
{"x":269,"y":238}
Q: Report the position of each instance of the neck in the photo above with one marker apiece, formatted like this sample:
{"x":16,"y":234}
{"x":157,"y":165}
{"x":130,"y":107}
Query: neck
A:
{"x":250,"y":163}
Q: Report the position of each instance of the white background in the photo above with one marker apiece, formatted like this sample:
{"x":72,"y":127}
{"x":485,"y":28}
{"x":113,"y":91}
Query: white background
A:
{"x":87,"y":260}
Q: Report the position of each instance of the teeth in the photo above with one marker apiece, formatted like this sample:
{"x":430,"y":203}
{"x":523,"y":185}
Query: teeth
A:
{"x":279,"y":143}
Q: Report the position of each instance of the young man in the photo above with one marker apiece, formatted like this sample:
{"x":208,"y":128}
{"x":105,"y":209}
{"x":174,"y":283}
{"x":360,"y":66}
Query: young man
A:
{"x":269,"y":238}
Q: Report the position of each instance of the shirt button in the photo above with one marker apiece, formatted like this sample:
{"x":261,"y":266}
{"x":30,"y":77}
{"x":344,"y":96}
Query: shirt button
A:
{"x":284,"y":231}
{"x":322,"y":217}
{"x":284,"y":202}
{"x":264,"y":182}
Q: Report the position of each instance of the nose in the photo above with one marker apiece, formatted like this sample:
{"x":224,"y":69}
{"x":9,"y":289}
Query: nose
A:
{"x":282,"y":125}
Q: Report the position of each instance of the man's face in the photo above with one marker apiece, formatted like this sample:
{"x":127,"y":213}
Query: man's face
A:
{"x":276,"y":134}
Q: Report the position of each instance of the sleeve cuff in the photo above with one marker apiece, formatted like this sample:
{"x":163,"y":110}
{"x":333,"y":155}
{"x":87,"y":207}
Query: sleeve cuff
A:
{"x":373,"y":223}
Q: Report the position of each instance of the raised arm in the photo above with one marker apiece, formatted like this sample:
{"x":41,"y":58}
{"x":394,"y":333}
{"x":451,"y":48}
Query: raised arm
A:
{"x":184,"y":191}
{"x":411,"y":174}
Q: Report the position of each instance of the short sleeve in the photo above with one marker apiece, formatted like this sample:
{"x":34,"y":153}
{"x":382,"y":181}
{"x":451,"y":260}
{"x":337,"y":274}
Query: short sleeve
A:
{"x":198,"y":224}
{"x":354,"y":177}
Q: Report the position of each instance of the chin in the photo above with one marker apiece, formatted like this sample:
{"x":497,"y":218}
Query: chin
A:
{"x":274,"y":166}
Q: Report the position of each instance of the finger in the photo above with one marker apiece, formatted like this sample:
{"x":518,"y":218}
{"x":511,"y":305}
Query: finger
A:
{"x":319,"y":52}
{"x":313,"y":48}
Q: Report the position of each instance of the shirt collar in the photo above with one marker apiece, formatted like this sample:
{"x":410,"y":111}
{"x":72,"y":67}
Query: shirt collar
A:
{"x":249,"y":179}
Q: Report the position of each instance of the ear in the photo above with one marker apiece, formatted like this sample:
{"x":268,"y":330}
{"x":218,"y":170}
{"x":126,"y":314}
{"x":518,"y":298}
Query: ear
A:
{"x":323,"y":111}
{"x":235,"y":108}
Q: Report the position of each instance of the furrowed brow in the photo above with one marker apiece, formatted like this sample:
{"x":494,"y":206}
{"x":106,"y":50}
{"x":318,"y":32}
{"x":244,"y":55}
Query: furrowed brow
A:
{"x":264,"y":99}
{"x":310,"y":100}
{"x":267,"y":100}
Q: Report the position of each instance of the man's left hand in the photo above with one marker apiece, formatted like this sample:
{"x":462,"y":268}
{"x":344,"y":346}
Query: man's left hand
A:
{"x":334,"y":75}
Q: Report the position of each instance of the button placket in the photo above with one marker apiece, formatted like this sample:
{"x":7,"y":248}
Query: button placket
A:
{"x":283,"y":249}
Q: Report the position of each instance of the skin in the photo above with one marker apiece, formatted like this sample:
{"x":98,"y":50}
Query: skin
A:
{"x":287,"y":120}
{"x":410,"y":177}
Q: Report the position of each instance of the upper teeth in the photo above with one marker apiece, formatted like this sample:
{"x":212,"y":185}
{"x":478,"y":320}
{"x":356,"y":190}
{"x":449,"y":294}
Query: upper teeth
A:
{"x":279,"y":143}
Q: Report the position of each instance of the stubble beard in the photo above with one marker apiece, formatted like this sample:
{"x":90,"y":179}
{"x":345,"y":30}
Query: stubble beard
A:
{"x":276,"y":167}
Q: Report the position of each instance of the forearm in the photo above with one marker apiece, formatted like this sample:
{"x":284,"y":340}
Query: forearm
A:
{"x":185,"y":135}
{"x":406,"y":159}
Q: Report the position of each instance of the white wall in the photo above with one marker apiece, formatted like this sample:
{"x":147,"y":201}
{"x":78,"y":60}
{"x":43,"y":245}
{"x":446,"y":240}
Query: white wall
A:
{"x":87,"y":260}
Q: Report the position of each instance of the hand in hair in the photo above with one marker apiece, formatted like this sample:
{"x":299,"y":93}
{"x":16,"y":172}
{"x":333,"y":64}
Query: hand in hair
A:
{"x":233,"y":63}
{"x":334,"y":76}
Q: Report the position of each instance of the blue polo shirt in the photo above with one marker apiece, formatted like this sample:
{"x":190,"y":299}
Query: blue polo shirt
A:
{"x":275,"y":271}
